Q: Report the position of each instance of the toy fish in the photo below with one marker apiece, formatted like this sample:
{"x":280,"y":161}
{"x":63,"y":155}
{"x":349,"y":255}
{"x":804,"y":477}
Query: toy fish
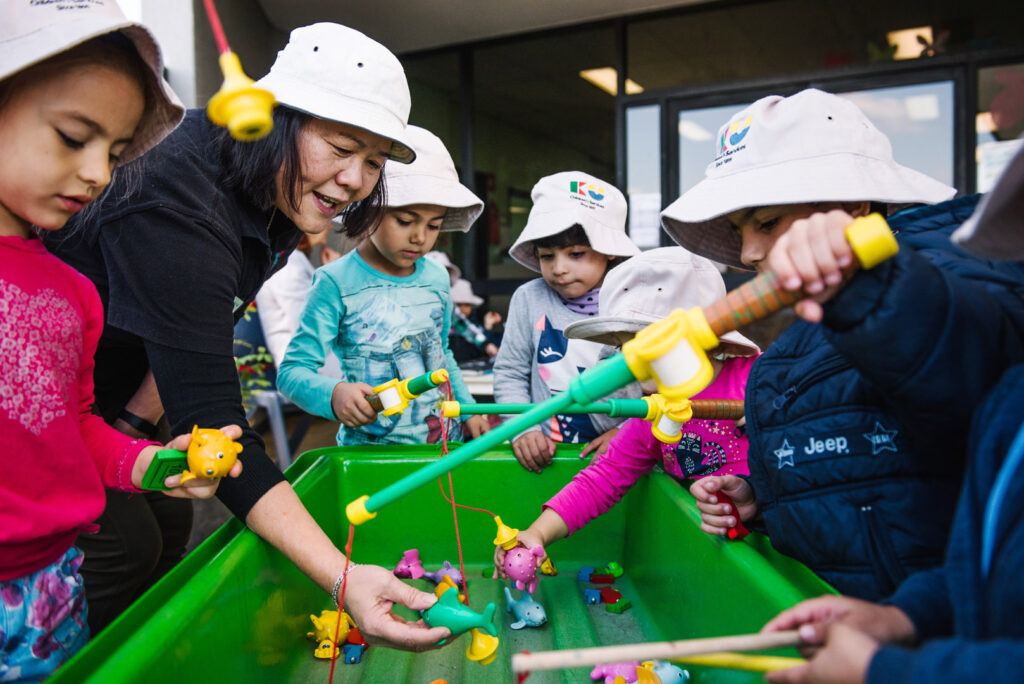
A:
{"x":528,"y":611}
{"x":667,"y":672}
{"x":323,"y":632}
{"x":446,"y":569}
{"x":410,"y":565}
{"x":613,"y":671}
{"x":459,"y":618}
{"x":211,"y":454}
{"x":521,"y":567}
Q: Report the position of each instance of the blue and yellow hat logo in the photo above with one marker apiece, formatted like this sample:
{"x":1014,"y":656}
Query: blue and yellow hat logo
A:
{"x":733,"y":134}
{"x":595,"y":193}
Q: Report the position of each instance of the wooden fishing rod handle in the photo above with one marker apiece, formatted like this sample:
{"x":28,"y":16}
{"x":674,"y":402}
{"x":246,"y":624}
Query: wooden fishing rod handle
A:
{"x":717,"y":409}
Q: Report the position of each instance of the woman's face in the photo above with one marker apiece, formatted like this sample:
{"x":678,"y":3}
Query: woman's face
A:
{"x":61,"y":133}
{"x":339,"y":165}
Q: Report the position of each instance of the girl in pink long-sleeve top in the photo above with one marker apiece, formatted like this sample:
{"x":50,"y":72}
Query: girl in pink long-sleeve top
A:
{"x":644,"y":289}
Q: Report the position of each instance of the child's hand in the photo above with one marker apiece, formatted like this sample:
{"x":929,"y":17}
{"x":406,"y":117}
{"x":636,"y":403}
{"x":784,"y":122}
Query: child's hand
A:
{"x":528,"y":538}
{"x":887,"y":624}
{"x":476,"y":426}
{"x":491,"y":319}
{"x":348,"y":401}
{"x":598,"y":445}
{"x":843,"y":659}
{"x":815,"y":256}
{"x":534,"y":450}
{"x":712,"y":513}
{"x":198,"y":488}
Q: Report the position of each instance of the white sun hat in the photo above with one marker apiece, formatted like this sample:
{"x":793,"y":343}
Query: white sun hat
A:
{"x":462,"y":293}
{"x":432,"y":179}
{"x":647,"y":288}
{"x":811,"y":147}
{"x":569,"y":198}
{"x":32,"y":32}
{"x":336,"y":73}
{"x":454,"y":272}
{"x":996,"y":228}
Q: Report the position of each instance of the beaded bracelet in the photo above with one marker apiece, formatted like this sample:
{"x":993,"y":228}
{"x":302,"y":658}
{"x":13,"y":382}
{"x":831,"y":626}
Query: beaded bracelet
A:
{"x":337,"y":583}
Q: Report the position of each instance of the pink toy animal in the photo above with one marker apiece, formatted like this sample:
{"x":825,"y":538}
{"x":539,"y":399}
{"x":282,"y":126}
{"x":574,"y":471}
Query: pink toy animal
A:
{"x":625,"y":670}
{"x":410,"y":565}
{"x":521,"y":566}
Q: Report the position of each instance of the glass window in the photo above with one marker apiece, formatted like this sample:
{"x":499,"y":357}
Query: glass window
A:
{"x":1000,"y":121}
{"x":721,"y":42}
{"x":535,"y":114}
{"x":643,"y":174}
{"x":918,"y":119}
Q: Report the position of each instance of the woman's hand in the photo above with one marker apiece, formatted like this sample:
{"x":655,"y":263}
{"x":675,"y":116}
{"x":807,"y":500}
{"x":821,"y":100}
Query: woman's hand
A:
{"x":476,"y":426}
{"x":714,"y":515}
{"x":197,"y":488}
{"x":348,"y":401}
{"x":370,"y":593}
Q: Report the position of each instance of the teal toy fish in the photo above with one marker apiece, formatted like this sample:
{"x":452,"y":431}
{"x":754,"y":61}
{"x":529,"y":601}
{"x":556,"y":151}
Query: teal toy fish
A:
{"x":457,"y":617}
{"x":528,"y":612}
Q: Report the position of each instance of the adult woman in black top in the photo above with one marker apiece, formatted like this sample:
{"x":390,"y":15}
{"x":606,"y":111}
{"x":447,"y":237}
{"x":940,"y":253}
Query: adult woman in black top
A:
{"x":179,"y":246}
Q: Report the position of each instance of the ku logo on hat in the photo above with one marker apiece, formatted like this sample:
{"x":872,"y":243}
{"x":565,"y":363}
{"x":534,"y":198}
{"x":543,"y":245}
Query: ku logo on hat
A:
{"x":577,"y":188}
{"x":733,"y":134}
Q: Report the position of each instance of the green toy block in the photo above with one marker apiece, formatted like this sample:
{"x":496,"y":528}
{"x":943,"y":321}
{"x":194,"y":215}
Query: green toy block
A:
{"x":619,"y":607}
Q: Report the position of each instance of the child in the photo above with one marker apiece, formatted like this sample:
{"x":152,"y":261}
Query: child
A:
{"x":960,"y":622}
{"x":385,"y":311}
{"x":470,"y":340}
{"x":642,"y":290}
{"x":80,"y":92}
{"x":576,"y":229}
{"x":856,"y":427}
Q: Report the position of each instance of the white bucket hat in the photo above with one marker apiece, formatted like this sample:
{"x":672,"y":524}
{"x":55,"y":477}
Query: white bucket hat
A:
{"x":647,"y":288}
{"x":811,"y":147}
{"x":432,"y":179}
{"x":462,"y":293}
{"x":336,"y":73}
{"x":996,"y":228}
{"x":569,"y":198}
{"x":32,"y":32}
{"x":454,"y":272}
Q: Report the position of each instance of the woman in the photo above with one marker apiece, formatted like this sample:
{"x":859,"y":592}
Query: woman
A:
{"x":178,"y":252}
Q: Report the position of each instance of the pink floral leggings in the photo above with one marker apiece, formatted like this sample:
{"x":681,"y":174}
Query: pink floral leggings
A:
{"x":42,"y":620}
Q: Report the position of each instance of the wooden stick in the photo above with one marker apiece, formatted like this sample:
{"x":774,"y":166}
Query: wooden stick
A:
{"x":660,"y":650}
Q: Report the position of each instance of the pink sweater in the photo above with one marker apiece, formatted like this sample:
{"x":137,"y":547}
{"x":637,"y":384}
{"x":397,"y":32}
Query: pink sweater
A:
{"x":707,"y":447}
{"x":56,"y":455}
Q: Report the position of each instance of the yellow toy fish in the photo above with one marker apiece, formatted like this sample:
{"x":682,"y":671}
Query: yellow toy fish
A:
{"x":323,"y":632}
{"x":211,"y":454}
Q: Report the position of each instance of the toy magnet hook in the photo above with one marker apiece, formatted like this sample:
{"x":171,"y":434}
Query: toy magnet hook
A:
{"x":239,"y":106}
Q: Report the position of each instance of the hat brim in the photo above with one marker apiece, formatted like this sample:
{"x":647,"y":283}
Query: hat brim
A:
{"x":463,"y":206}
{"x":697,"y":220}
{"x":312,"y":99}
{"x":164,"y":111}
{"x":996,"y":228}
{"x":607,"y":240}
{"x":617,"y":330}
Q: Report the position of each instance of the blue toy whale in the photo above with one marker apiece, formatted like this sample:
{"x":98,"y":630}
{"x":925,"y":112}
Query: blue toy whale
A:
{"x":528,"y":612}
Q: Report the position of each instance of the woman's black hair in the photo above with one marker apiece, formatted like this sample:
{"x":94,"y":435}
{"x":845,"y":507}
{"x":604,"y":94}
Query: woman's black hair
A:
{"x":573,"y":235}
{"x":251,"y":169}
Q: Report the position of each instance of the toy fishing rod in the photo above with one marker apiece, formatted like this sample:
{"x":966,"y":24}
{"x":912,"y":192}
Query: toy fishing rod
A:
{"x":239,"y":106}
{"x":672,"y":352}
{"x":394,"y":395}
{"x":667,"y":417}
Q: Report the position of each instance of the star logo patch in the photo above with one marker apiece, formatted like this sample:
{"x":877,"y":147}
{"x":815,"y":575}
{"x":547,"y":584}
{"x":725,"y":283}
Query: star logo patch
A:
{"x":785,"y":454}
{"x":881,"y":439}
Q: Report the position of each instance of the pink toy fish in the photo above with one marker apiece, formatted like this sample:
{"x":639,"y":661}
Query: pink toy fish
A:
{"x":521,"y":566}
{"x":609,"y":672}
{"x":410,"y":565}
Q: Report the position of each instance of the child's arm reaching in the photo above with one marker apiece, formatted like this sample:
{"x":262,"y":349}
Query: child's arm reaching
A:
{"x":298,"y":379}
{"x":714,"y":514}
